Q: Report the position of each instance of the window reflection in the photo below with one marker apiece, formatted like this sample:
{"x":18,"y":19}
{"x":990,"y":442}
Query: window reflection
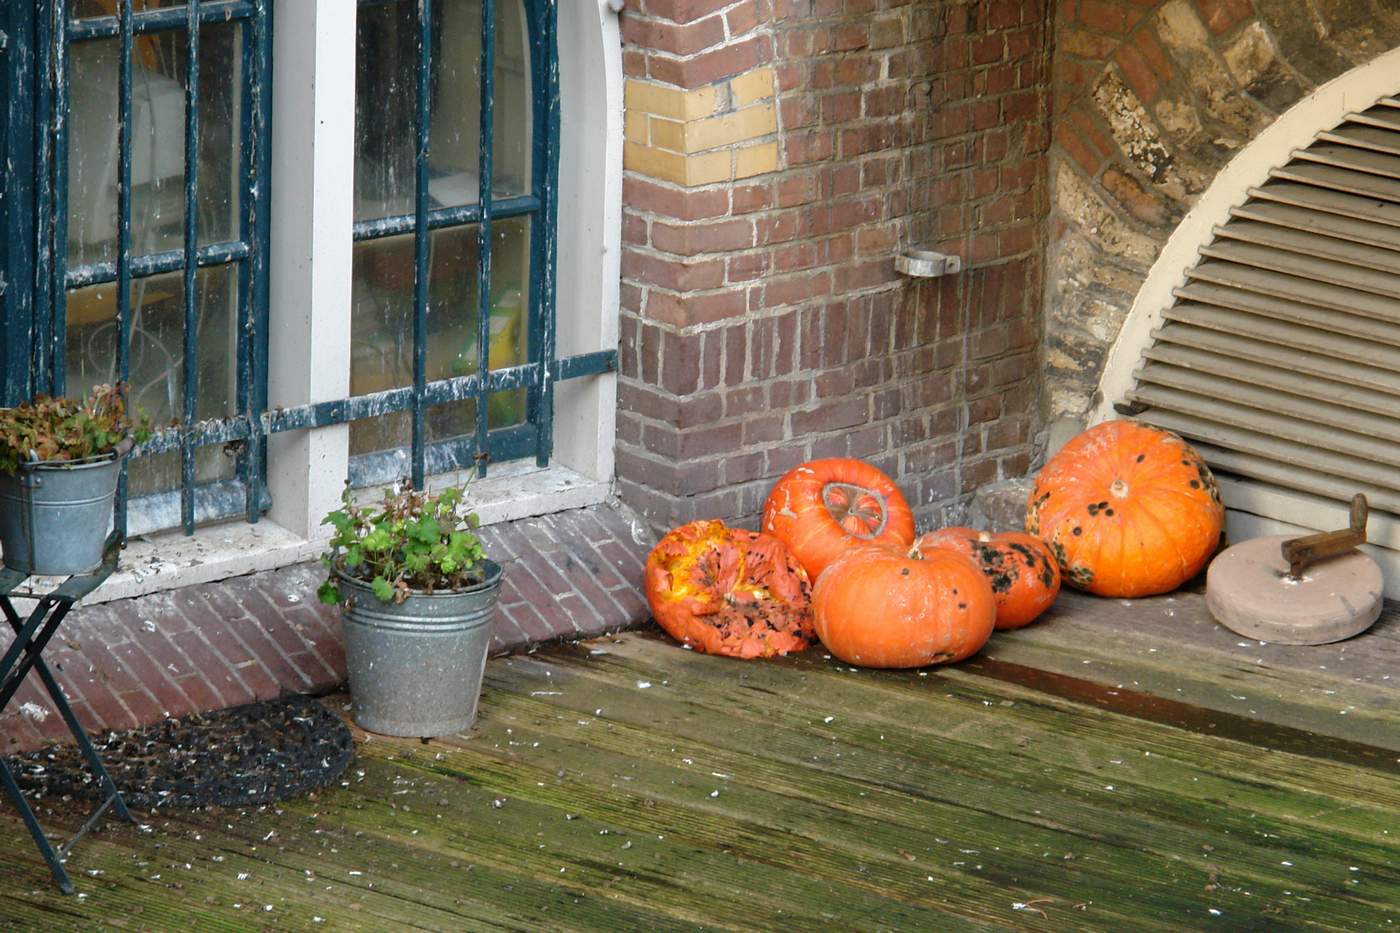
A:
{"x":386,"y":106}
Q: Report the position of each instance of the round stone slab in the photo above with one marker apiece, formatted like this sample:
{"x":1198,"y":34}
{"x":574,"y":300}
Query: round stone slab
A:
{"x":1248,"y":590}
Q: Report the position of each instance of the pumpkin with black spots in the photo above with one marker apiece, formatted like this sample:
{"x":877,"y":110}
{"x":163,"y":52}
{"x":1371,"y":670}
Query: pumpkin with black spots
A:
{"x":1127,"y":509}
{"x":881,"y":606}
{"x":823,"y":508}
{"x":729,"y":591}
{"x":1024,"y":575}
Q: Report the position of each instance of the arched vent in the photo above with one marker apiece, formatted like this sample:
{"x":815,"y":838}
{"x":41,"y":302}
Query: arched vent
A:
{"x":1279,"y":358}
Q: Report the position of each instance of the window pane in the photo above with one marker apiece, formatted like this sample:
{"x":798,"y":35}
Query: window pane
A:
{"x":157,"y":355}
{"x":92,"y":152}
{"x":159,"y":71}
{"x":382,"y":326}
{"x":512,"y":106}
{"x":220,"y":137}
{"x":510,"y":319}
{"x":85,"y":8}
{"x":386,"y":106}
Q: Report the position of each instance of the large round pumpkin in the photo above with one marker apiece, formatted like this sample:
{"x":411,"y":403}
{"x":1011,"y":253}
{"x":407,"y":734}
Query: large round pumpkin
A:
{"x":885,"y":607}
{"x":1024,"y":575}
{"x":823,"y":508}
{"x":1127,"y":509}
{"x":729,"y":591}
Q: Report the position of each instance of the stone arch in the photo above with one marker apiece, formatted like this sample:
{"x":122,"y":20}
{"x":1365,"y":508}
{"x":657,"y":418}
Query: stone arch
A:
{"x":1153,"y":100}
{"x":1323,"y":109}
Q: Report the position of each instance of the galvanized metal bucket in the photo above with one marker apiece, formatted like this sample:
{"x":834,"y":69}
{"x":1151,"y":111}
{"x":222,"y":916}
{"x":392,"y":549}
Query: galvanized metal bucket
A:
{"x":415,"y":667}
{"x":55,"y":516}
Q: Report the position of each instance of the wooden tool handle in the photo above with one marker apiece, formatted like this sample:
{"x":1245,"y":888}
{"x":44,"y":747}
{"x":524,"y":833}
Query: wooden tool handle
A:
{"x":1302,"y":553}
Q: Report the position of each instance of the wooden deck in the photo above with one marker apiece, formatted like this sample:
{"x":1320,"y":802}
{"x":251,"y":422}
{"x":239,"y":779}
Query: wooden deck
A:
{"x":1114,"y":767}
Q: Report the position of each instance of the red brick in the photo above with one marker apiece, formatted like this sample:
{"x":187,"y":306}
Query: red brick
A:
{"x":1103,"y":15}
{"x":743,"y":17}
{"x":670,"y":37}
{"x":1221,"y":15}
{"x":681,"y":11}
{"x":696,"y":238}
{"x":677,"y":275}
{"x":709,"y":67}
{"x":1138,"y":72}
{"x":640,"y":194}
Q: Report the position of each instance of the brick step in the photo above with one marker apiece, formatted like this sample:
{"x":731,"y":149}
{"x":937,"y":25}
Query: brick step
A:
{"x":135,"y":661}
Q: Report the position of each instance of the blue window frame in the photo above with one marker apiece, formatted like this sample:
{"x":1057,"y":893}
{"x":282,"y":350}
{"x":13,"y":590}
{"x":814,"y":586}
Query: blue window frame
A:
{"x":85,"y":274}
{"x":438,"y":90}
{"x":137,"y":232}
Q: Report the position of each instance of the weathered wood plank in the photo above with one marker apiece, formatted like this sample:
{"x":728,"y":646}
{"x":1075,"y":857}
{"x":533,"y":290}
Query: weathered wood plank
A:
{"x":1146,"y":816}
{"x":1169,"y":646}
{"x":1003,"y":708}
{"x":626,"y":783}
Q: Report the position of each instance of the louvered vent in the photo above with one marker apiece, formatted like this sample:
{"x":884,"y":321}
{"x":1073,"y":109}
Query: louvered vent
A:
{"x":1280,"y":356}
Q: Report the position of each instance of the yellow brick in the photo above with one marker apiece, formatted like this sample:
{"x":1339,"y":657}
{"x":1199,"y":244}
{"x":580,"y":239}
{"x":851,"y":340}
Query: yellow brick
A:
{"x":701,"y":102}
{"x":752,"y":86}
{"x":741,"y":125}
{"x":634,"y":127}
{"x":667,"y":134}
{"x":707,"y":168}
{"x":665,"y":101}
{"x":653,"y":99}
{"x":654,"y":163}
{"x":755,"y":160}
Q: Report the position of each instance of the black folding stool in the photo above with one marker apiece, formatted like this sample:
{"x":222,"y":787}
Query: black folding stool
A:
{"x":24,"y":653}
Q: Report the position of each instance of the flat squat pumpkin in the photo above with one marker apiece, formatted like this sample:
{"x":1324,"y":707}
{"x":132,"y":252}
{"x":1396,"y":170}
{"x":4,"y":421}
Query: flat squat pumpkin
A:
{"x":1024,"y":575}
{"x":823,"y":508}
{"x":729,"y":591}
{"x":1127,"y":509}
{"x":881,"y":606}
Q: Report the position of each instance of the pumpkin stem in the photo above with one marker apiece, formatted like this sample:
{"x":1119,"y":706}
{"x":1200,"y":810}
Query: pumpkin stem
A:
{"x":860,"y":511}
{"x":1119,"y":489}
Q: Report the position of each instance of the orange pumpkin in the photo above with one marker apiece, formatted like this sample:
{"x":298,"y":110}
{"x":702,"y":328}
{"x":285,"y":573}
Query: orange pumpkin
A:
{"x":824,"y":507}
{"x":1024,"y":575}
{"x":1127,"y":509}
{"x":729,"y":591}
{"x":885,"y":607}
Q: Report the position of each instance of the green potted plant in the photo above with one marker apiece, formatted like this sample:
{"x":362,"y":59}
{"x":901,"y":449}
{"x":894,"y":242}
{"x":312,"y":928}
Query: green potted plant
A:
{"x":59,"y":462}
{"x":418,"y":596}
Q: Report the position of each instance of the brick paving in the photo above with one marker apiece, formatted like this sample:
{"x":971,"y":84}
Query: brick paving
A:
{"x":133,"y":661}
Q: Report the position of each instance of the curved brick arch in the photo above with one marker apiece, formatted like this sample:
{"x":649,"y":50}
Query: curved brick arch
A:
{"x":1153,"y":99}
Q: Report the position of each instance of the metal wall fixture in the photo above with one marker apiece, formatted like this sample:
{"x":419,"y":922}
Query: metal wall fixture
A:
{"x":926,"y":264}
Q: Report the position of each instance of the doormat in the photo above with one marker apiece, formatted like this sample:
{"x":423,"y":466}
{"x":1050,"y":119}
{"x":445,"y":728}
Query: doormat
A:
{"x":245,"y":756}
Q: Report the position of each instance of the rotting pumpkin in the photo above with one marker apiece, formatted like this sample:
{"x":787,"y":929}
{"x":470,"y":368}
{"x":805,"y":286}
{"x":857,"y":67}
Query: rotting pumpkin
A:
{"x":879,"y":606}
{"x":1024,"y":575}
{"x":823,"y":508}
{"x":1127,"y":509}
{"x":729,"y":591}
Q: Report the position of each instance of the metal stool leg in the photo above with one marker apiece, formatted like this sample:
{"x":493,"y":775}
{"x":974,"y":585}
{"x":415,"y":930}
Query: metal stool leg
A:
{"x":35,"y":830}
{"x":31,"y":637}
{"x":60,"y":701}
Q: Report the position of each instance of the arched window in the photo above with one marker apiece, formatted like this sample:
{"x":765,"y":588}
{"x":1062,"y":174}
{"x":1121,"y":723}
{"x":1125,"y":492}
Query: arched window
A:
{"x":453,"y":187}
{"x":343,"y":270}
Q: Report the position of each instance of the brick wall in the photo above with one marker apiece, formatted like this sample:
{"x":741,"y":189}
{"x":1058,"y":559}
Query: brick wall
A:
{"x":1151,"y":99}
{"x":778,"y":155}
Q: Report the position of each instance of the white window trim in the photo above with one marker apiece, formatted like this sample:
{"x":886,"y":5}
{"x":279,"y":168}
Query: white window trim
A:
{"x":309,"y":339}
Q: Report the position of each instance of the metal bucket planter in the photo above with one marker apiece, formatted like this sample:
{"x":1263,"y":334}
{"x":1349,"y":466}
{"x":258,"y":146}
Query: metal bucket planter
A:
{"x":415,"y":667}
{"x":55,"y":516}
